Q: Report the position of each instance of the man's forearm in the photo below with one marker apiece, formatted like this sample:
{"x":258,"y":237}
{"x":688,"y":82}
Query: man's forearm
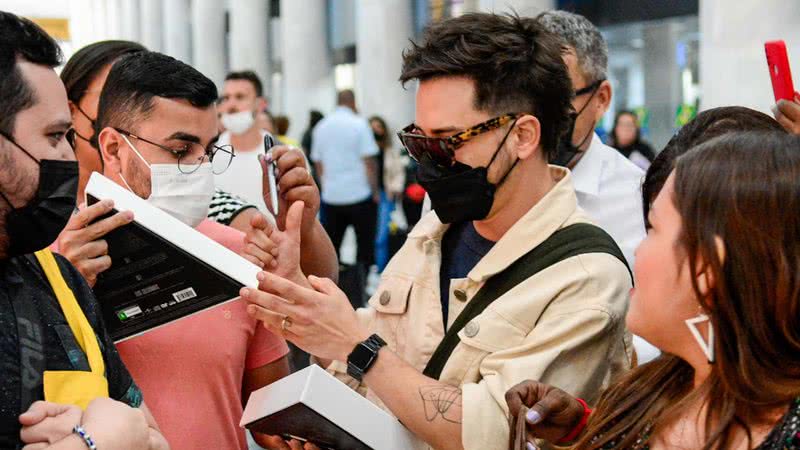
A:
{"x":371,"y":167}
{"x":317,"y":255}
{"x":70,"y":442}
{"x":431,"y":409}
{"x":156,"y":441}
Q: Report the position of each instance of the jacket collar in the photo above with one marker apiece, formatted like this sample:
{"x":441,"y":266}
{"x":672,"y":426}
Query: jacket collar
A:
{"x":547,"y":216}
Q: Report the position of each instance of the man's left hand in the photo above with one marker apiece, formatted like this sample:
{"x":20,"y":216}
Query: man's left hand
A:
{"x":319,"y":320}
{"x":46,"y":422}
{"x":294,"y":182}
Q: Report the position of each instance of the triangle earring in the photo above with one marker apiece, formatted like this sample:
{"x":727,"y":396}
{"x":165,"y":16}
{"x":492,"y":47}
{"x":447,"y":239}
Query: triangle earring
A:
{"x":706,"y":346}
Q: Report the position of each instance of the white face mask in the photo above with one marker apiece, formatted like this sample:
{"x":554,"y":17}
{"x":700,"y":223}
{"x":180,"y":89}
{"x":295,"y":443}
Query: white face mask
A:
{"x":185,"y":197}
{"x":239,"y":122}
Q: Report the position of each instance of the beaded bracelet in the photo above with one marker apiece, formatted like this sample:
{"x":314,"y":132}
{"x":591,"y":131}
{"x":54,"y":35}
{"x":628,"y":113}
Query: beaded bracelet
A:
{"x":85,"y":436}
{"x":580,"y":426}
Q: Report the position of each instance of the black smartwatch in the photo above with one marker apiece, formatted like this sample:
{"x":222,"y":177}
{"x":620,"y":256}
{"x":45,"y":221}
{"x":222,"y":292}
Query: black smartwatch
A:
{"x":364,"y":356}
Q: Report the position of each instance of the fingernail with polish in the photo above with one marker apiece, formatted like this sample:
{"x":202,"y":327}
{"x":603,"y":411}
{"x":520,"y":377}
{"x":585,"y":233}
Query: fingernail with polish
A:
{"x":531,"y":446}
{"x":533,"y":417}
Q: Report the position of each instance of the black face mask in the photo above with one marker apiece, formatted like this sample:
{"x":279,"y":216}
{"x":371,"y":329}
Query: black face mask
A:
{"x":38,"y":224}
{"x":92,"y":140}
{"x":567,"y":151}
{"x":460,"y":193}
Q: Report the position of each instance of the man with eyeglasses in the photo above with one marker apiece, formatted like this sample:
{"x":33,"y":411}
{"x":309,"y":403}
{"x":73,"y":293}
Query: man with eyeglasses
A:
{"x":608,"y":185}
{"x":157,"y":132}
{"x":507,"y":281}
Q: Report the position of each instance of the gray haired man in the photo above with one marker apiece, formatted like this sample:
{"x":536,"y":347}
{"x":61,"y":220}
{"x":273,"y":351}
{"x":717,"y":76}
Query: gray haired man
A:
{"x":607,"y":183}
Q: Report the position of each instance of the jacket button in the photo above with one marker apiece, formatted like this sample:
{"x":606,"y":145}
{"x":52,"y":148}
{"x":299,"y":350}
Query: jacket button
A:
{"x":460,"y":295}
{"x":472,"y":329}
{"x":386,"y":296}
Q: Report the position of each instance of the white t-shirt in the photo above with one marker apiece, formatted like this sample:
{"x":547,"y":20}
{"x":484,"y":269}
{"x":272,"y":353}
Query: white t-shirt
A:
{"x":341,"y":142}
{"x":244,"y":176}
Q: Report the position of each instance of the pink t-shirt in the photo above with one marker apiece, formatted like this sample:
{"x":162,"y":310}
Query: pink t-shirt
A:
{"x":191,"y":371}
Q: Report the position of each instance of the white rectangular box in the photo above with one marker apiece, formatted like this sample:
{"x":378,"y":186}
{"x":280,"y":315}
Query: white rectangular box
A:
{"x":162,"y":269}
{"x":313,"y":405}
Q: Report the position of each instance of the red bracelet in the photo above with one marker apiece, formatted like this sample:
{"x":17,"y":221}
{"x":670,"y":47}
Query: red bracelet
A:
{"x":580,"y":426}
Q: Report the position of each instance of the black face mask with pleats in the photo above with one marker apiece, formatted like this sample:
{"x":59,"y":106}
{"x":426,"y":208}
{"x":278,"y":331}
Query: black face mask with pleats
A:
{"x":460,"y":193}
{"x":36,"y":225}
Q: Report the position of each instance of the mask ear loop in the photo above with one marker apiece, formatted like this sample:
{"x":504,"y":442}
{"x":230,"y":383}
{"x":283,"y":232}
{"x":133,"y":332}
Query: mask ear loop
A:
{"x":9,"y":139}
{"x":502,"y":143}
{"x":585,"y":105}
{"x":140,"y":157}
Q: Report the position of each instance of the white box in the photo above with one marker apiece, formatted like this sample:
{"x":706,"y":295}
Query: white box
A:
{"x":313,"y":405}
{"x":162,"y":269}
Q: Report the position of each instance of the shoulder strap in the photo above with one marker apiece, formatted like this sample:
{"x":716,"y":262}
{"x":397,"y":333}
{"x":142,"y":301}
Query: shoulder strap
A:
{"x":573,"y":240}
{"x":80,"y":326}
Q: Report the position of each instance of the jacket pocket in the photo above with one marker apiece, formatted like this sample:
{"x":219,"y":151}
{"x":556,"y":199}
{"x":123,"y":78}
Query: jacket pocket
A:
{"x":487,"y":333}
{"x":392,"y":296}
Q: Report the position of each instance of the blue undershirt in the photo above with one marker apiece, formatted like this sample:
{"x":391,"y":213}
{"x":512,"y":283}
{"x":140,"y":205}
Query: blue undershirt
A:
{"x":462,"y":248}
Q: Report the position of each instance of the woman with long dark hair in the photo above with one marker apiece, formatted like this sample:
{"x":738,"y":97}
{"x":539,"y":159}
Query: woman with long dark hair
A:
{"x":626,"y":137}
{"x":718,"y":291}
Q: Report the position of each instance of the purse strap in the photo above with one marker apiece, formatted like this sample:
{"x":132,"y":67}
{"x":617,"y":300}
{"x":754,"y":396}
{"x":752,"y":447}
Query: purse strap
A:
{"x":519,"y":438}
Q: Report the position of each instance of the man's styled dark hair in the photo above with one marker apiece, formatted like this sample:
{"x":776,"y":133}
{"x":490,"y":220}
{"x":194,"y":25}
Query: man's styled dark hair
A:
{"x":136,"y":79}
{"x":516,"y":65}
{"x":706,"y":126}
{"x":21,"y":39}
{"x":248,"y":75}
{"x":87,"y":62}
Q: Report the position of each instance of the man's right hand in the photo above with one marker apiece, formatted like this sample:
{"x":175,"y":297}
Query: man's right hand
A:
{"x":553,"y":413}
{"x":115,"y":425}
{"x":82,"y":243}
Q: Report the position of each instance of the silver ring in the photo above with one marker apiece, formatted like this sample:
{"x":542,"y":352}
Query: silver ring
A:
{"x":286,"y":323}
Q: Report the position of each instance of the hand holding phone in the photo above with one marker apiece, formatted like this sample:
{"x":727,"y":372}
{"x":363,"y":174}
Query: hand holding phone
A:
{"x":779,"y":70}
{"x":272,"y":166}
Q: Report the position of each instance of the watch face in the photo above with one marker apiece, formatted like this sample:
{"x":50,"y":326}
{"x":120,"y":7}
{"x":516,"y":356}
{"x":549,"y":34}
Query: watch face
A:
{"x":361,"y":356}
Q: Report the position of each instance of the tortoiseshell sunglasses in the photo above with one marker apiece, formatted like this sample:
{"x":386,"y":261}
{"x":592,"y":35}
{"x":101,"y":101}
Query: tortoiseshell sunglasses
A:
{"x":442,"y":149}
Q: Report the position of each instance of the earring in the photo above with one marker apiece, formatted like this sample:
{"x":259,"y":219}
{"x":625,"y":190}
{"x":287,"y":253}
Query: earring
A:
{"x":706,"y":346}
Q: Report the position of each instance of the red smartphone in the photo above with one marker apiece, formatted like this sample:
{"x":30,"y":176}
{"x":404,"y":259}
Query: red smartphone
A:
{"x":779,"y":70}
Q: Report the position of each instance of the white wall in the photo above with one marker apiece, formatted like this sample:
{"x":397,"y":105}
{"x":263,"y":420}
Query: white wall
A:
{"x":733,"y":70}
{"x":28,"y":8}
{"x":522,"y":7}
{"x":307,"y":75}
{"x":378,"y":92}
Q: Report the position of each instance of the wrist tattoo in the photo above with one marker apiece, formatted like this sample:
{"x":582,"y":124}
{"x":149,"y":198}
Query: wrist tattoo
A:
{"x":441,"y":401}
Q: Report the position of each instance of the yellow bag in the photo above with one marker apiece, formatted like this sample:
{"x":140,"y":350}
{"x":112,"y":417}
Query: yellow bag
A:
{"x":65,"y":386}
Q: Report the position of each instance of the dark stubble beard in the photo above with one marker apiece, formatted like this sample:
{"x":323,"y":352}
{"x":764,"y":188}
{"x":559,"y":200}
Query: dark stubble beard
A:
{"x":19,"y":180}
{"x":137,"y":178}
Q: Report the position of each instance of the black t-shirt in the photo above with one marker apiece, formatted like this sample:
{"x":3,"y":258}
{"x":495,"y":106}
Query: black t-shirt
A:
{"x":462,"y":248}
{"x":22,"y":278}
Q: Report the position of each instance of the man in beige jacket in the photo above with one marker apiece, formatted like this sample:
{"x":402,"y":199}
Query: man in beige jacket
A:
{"x":493,"y":100}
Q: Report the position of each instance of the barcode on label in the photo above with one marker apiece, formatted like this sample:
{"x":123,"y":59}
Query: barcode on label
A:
{"x":186,"y":294}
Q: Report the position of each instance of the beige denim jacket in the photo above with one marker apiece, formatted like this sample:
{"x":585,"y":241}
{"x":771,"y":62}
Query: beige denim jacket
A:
{"x":564,"y":326}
